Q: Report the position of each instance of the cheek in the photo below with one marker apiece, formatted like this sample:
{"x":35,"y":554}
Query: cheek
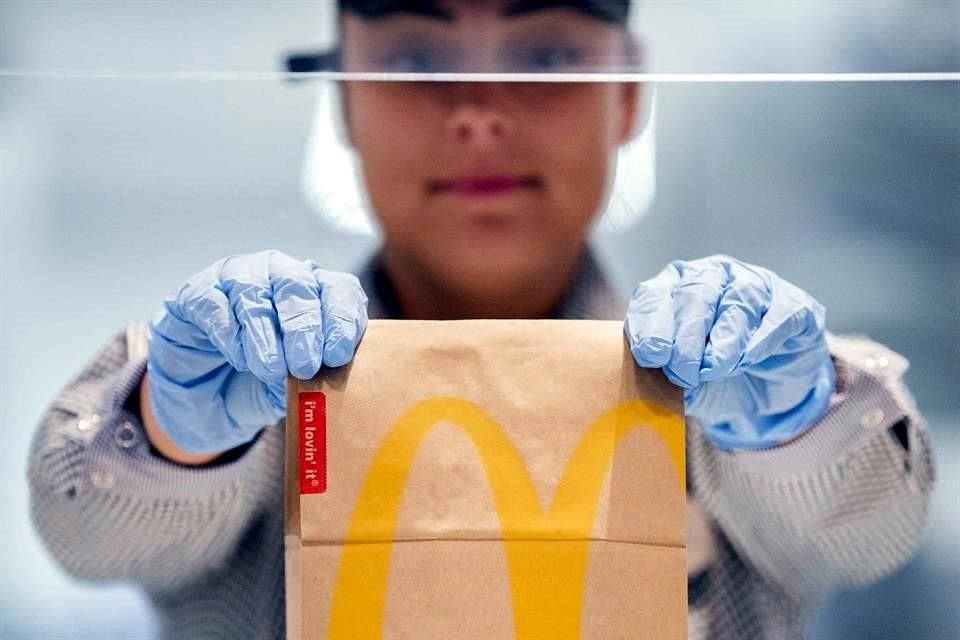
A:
{"x":581,"y":139}
{"x":381,"y":127}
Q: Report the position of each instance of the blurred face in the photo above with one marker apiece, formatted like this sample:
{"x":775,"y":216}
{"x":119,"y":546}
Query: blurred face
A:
{"x":479,"y":184}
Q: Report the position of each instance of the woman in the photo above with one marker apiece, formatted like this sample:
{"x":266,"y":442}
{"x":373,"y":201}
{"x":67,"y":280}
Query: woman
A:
{"x":808,"y":464}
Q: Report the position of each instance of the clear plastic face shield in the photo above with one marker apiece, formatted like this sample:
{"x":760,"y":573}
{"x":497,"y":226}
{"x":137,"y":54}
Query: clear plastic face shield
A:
{"x":534,"y":51}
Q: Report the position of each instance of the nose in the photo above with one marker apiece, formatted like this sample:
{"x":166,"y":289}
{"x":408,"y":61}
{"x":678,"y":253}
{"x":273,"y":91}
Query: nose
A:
{"x":479,"y":115}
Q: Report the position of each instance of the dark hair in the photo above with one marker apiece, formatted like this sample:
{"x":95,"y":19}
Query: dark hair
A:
{"x":614,"y":11}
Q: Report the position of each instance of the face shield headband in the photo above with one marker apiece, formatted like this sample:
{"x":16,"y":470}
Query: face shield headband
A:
{"x":613,"y":11}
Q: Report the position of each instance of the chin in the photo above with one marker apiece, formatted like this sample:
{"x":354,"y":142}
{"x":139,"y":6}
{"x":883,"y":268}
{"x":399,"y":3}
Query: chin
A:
{"x":490,"y":272}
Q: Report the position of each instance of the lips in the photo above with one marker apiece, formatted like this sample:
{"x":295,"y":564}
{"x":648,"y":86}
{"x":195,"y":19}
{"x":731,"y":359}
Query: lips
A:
{"x":484,"y":185}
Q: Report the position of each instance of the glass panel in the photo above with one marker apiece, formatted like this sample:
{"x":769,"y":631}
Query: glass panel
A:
{"x":430,"y":39}
{"x":142,"y":140}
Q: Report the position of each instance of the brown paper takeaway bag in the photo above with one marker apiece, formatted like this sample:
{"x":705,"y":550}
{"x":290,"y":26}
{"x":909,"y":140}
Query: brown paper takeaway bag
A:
{"x":484,"y":480}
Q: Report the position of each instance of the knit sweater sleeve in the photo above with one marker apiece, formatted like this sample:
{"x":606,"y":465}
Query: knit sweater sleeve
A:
{"x":843,"y":504}
{"x":108,"y":508}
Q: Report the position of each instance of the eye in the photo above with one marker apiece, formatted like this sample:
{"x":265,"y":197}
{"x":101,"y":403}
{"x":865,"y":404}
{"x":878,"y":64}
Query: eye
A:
{"x":412,"y":60}
{"x":547,"y":57}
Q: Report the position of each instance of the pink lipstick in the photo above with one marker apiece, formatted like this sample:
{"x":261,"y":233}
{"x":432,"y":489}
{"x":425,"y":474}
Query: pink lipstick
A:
{"x":486,"y":185}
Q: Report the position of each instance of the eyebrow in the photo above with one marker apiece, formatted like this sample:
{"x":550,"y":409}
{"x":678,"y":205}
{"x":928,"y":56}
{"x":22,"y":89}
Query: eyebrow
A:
{"x":524,"y":7}
{"x":377,"y":9}
{"x":591,"y":7}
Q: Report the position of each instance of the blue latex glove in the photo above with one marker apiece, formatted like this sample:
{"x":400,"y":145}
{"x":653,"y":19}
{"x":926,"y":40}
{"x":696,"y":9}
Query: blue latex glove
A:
{"x":221,"y":349}
{"x":747,"y":347}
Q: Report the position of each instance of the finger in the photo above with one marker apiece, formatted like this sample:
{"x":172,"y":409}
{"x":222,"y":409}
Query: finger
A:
{"x":246,"y":283}
{"x":181,"y":351}
{"x":793,"y":323}
{"x":696,"y":299}
{"x":740,"y":311}
{"x":198,"y":316}
{"x":650,"y":318}
{"x":247,"y":408}
{"x":344,"y":309}
{"x":296,"y":297}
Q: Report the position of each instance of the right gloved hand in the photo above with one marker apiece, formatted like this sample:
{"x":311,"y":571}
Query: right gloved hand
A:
{"x":221,"y":349}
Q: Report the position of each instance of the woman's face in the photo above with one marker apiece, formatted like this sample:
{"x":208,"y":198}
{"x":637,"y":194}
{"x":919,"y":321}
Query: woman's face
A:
{"x":481,"y":183}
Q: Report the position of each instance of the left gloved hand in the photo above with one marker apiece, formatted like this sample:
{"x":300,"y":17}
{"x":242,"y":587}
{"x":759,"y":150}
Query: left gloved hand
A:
{"x":747,"y":346}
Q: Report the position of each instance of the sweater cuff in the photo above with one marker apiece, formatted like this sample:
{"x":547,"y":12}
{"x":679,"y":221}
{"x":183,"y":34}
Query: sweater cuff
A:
{"x":865,"y":402}
{"x":103,"y":420}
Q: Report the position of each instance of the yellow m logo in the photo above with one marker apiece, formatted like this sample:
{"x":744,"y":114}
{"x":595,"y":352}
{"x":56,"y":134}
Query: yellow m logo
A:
{"x":546,"y":571}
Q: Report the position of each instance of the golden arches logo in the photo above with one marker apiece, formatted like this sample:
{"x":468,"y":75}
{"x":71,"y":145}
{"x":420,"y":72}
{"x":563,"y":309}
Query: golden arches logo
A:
{"x":535,"y":566}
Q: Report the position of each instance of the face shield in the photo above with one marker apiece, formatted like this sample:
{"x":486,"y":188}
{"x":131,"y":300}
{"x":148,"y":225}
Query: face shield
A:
{"x":518,"y":44}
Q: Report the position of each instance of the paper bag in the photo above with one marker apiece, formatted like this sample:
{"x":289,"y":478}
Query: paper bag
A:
{"x":486,"y":480}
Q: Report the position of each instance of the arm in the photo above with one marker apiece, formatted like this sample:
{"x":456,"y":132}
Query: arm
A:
{"x":109,"y":508}
{"x":845,"y":502}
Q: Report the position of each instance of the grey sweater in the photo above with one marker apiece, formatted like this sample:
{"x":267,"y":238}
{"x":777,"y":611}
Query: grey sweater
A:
{"x":770,"y":533}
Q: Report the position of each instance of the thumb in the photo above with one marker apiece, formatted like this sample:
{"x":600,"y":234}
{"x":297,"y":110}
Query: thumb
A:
{"x":250,"y":404}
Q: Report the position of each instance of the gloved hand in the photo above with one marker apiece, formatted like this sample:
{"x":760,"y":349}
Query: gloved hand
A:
{"x":747,"y":347}
{"x":221,"y":349}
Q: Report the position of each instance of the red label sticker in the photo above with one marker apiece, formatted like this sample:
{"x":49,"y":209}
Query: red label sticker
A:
{"x":313,"y":442}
